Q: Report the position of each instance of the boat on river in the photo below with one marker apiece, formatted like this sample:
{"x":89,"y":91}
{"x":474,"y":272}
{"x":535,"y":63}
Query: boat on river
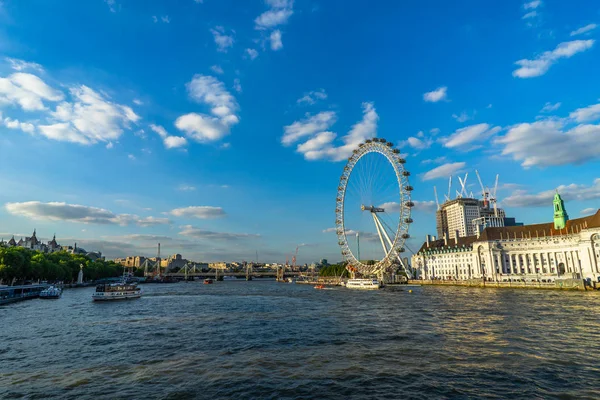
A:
{"x":208,"y":281}
{"x":51,"y":292}
{"x":363,"y":284}
{"x":117,"y":291}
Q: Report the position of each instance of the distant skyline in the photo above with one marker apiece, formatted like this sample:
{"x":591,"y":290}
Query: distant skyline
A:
{"x":220,"y":128}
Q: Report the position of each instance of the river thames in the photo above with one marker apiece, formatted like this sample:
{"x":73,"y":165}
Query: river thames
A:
{"x":268,"y":340}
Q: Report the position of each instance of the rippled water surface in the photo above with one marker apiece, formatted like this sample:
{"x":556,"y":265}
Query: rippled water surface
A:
{"x":254,"y":340}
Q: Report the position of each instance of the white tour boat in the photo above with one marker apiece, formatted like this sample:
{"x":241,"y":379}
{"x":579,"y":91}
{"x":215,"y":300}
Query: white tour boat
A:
{"x":364,"y":284}
{"x":52,"y":292}
{"x":116,"y":291}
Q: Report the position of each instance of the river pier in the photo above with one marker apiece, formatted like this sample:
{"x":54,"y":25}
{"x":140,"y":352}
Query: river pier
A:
{"x":11,"y":294}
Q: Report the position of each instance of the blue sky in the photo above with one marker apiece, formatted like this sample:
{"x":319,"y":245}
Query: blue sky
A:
{"x":220,"y":128}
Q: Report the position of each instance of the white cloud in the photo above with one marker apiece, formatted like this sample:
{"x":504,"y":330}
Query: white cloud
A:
{"x":437,"y":160}
{"x":425,"y":206}
{"x":470,"y":134}
{"x":462,"y":117}
{"x":109,"y":145}
{"x":586,"y":114}
{"x":572,"y":192}
{"x":217,"y":69}
{"x":547,"y":142}
{"x":174,"y":142}
{"x":419,"y":144}
{"x":201,"y":127}
{"x":27,"y":91}
{"x":272,"y":18}
{"x":436,"y":95}
{"x":56,"y":211}
{"x":88,"y":119}
{"x":275,"y":38}
{"x":532,"y":5}
{"x":131,"y":157}
{"x":165,"y":19}
{"x":308,"y":127}
{"x":320,"y":143}
{"x":222,"y":40}
{"x":584,"y":29}
{"x":444,"y":171}
{"x":530,"y":14}
{"x":150,"y":221}
{"x":170,"y":142}
{"x":112,"y":5}
{"x":186,"y":188}
{"x":251,"y":53}
{"x":20,"y":65}
{"x":312,"y":97}
{"x":540,"y":65}
{"x":211,"y":91}
{"x":278,"y":14}
{"x":588,"y":211}
{"x":316,"y":143}
{"x":140,"y":133}
{"x":16,"y":124}
{"x":202,"y":212}
{"x":154,"y":18}
{"x":550,"y":107}
{"x":162,"y":132}
{"x":137,"y":102}
{"x":197,"y":233}
{"x":237,"y":86}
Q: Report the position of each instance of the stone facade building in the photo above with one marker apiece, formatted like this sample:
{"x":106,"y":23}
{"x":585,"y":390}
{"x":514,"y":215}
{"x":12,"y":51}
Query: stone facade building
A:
{"x":563,"y":249}
{"x":33,"y":243}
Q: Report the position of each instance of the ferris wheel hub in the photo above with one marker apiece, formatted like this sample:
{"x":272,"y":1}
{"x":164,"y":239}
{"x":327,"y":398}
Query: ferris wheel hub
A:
{"x":372,"y":209}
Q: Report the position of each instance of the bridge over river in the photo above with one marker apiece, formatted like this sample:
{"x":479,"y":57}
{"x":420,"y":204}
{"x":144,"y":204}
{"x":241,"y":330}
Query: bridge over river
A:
{"x":241,"y":275}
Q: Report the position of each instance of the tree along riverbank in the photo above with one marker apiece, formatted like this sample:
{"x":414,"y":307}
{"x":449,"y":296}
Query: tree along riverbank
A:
{"x":21,"y":265}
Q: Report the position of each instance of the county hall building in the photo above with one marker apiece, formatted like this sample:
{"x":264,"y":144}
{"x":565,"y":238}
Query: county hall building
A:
{"x":563,"y":249}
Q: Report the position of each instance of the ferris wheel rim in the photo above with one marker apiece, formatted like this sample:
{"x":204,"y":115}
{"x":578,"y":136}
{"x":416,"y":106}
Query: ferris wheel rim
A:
{"x":401,"y":233}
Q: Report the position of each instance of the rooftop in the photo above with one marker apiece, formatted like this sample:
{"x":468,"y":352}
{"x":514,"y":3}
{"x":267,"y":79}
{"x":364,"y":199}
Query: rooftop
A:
{"x":519,"y":232}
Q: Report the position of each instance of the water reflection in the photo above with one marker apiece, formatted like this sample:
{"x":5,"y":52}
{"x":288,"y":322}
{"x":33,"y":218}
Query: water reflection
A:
{"x":270,"y":340}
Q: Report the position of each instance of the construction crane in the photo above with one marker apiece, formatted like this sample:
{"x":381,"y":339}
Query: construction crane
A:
{"x":294,"y":259}
{"x":449,"y":188}
{"x":463,"y":184}
{"x":484,"y":192}
{"x":493,"y":198}
{"x":437,"y":202}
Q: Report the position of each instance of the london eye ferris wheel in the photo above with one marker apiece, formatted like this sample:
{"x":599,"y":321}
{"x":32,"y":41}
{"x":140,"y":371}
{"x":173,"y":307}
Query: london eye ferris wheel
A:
{"x":373,"y":209}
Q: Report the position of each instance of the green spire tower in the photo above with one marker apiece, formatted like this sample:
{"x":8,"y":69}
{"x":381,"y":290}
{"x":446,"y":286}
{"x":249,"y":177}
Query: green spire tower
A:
{"x":560,"y":214}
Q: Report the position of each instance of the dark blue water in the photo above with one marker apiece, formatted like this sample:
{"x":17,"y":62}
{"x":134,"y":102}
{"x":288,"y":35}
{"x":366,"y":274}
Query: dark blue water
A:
{"x":268,"y":340}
